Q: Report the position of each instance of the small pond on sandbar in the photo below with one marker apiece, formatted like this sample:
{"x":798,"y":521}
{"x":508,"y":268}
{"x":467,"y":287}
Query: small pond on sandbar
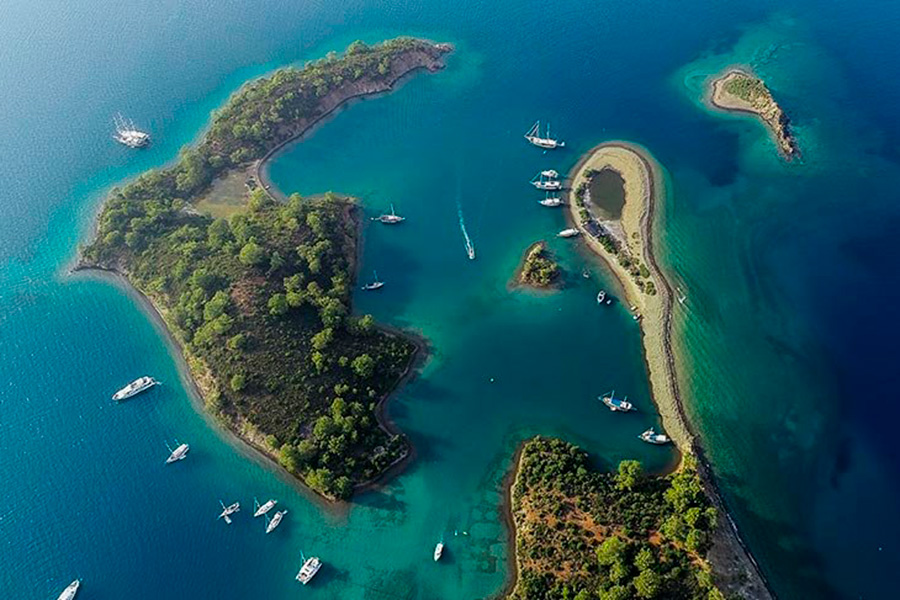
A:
{"x":607,"y":189}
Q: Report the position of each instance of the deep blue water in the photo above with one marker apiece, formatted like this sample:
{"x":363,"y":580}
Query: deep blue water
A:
{"x":789,"y":333}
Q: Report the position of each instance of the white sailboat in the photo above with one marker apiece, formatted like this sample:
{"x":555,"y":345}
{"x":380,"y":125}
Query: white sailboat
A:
{"x":547,"y":180}
{"x":229,"y":510}
{"x":390,"y":219}
{"x":547,"y":142}
{"x":374,"y":285}
{"x":128,"y":134}
{"x":551,"y":201}
{"x":262,"y":509}
{"x":179,"y":453}
{"x":70,"y":591}
{"x":275,"y":521}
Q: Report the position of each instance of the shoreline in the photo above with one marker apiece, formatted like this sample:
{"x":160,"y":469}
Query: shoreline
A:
{"x":230,"y":428}
{"x":656,"y":325}
{"x":769,"y":112}
{"x":260,"y":167}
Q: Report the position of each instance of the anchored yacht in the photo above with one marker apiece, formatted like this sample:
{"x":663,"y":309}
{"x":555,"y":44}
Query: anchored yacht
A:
{"x":616,"y":404}
{"x":262,"y":509}
{"x":438,"y":551}
{"x":375,"y":285}
{"x":534,"y":137}
{"x":390,"y":219}
{"x":179,"y":453}
{"x":275,"y":521}
{"x":227,"y":511}
{"x":551,"y":201}
{"x":567,"y":233}
{"x":70,"y":591}
{"x":651,"y":437}
{"x":134,"y":388}
{"x":309,"y":569}
{"x":128,"y":134}
{"x":547,"y":180}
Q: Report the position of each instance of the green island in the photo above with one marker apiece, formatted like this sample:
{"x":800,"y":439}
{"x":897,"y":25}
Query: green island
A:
{"x":259,"y":301}
{"x":538,"y":269}
{"x":583,"y":534}
{"x":739,"y":91}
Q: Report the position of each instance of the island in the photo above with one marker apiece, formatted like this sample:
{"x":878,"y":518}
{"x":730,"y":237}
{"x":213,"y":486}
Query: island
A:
{"x":538,"y":269}
{"x":584,"y":534}
{"x":738,"y":91}
{"x":258,"y":297}
{"x":615,"y":201}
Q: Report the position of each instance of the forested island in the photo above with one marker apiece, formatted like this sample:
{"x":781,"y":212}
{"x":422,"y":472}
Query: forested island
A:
{"x":538,"y":269}
{"x":582,"y":534}
{"x":260,"y":301}
{"x":739,"y":91}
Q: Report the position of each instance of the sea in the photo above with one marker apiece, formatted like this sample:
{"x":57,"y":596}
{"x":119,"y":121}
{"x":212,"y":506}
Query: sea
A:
{"x":787,"y":335}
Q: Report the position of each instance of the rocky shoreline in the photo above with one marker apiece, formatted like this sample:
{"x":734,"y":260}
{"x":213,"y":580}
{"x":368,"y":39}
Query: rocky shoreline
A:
{"x":738,"y":91}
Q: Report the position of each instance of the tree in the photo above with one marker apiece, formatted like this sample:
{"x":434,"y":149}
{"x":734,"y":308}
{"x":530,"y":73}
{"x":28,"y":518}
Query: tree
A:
{"x":629,"y":473}
{"x":363,"y":365}
{"x":611,"y":550}
{"x":646,"y":584}
{"x":644,"y":559}
{"x":278,"y":305}
{"x":616,"y":592}
{"x":238,"y":382}
{"x":216,"y":306}
{"x":252,"y":254}
{"x":321,"y":340}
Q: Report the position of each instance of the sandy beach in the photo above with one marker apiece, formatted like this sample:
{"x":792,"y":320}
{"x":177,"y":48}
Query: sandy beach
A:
{"x":732,"y":563}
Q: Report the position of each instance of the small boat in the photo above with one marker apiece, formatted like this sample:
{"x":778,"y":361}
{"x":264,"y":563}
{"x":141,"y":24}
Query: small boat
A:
{"x":275,"y":521}
{"x":375,"y":285}
{"x":546,"y":180}
{"x":128,"y":134}
{"x":470,"y":249}
{"x":586,"y":274}
{"x":142,"y":384}
{"x":70,"y":591}
{"x":262,"y":509}
{"x":390,"y":219}
{"x":567,"y":233}
{"x":534,"y":137}
{"x":601,"y":296}
{"x":615,"y":404}
{"x":438,"y":551}
{"x":309,"y":569}
{"x":227,"y":511}
{"x":551,"y":201}
{"x":651,"y":437}
{"x":179,"y":453}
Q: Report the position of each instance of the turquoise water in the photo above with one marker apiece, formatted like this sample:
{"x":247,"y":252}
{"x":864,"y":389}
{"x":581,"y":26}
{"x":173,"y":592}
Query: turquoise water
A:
{"x":786,"y":268}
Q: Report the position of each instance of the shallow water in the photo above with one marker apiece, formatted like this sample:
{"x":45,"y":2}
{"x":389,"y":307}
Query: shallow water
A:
{"x":786,"y":329}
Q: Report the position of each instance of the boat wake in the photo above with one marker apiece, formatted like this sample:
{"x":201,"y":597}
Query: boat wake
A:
{"x":470,"y":247}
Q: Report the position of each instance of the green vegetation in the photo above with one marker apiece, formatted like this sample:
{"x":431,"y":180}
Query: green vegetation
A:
{"x":747,"y":88}
{"x":538,"y":268}
{"x":586,"y":535}
{"x":260,"y":301}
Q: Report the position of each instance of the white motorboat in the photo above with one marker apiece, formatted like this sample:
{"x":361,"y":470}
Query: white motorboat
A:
{"x":651,"y":437}
{"x":568,"y":233}
{"x":438,"y":551}
{"x":141,"y":384}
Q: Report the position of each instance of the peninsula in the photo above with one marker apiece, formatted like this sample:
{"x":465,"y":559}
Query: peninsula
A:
{"x":259,"y":300}
{"x":615,"y":201}
{"x":586,"y":534}
{"x":538,"y":269}
{"x":738,"y":91}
